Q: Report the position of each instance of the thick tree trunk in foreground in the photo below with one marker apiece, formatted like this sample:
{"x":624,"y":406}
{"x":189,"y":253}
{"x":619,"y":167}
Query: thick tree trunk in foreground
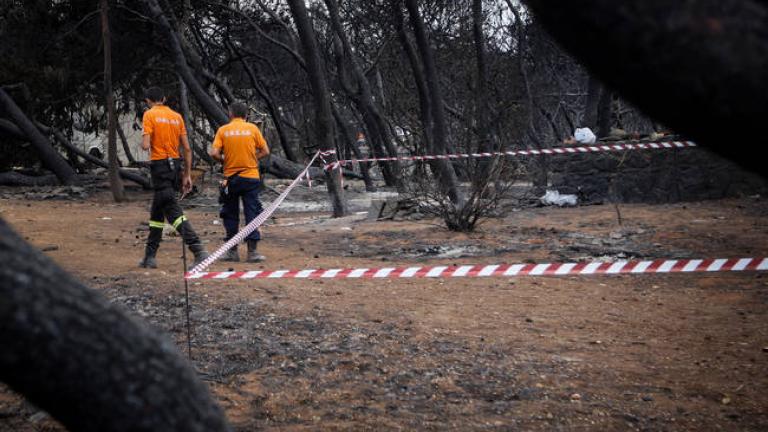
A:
{"x":115,"y":183}
{"x":84,"y":360}
{"x":322,"y":98}
{"x":50,"y":158}
{"x":698,"y":67}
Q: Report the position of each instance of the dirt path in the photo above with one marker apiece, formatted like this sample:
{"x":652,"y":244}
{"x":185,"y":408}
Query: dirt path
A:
{"x":674,"y":352}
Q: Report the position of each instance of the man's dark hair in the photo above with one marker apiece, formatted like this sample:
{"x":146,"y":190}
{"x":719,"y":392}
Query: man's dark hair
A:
{"x":238,"y":109}
{"x":155,"y":94}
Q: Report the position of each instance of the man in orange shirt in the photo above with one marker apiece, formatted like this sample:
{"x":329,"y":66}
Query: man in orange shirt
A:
{"x":163,"y":132}
{"x":239,"y":145}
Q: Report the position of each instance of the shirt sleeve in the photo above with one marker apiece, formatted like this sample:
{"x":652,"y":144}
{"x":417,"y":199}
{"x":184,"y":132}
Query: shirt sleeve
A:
{"x":147,"y":125}
{"x":217,"y":142}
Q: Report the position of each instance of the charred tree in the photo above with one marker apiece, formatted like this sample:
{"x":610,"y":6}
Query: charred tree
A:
{"x":322,"y":98}
{"x":363,"y":98}
{"x":274,"y":111}
{"x":64,"y":142}
{"x":212,"y":109}
{"x":447,"y":175}
{"x":50,"y":158}
{"x":124,"y":142}
{"x":591,"y":105}
{"x":86,"y":361}
{"x":115,"y":183}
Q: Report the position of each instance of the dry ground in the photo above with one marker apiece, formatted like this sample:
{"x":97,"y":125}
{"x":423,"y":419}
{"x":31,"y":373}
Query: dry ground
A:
{"x":672,"y":352}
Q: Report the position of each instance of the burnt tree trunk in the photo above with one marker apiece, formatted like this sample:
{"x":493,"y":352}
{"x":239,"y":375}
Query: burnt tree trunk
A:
{"x":372,"y":115}
{"x":439,"y":126}
{"x":50,"y":158}
{"x":12,"y":178}
{"x":482,"y":113}
{"x":86,"y":361}
{"x":425,"y":112}
{"x":126,"y":174}
{"x":604,"y":113}
{"x":126,"y":147}
{"x":213,"y":111}
{"x":115,"y":183}
{"x":594,"y":92}
{"x":209,"y":105}
{"x":322,"y":99}
{"x":274,"y":111}
{"x":350,"y":144}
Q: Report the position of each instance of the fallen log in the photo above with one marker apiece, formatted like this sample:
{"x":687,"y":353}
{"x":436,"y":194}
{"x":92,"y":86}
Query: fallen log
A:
{"x":13,"y":178}
{"x":61,"y":139}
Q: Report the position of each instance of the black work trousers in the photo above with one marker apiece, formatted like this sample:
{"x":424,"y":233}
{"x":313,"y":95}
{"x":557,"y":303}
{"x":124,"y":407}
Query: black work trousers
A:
{"x":166,"y":181}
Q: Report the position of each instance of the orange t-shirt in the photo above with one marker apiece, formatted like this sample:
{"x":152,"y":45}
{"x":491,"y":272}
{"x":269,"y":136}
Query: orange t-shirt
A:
{"x":164,"y":127}
{"x":238,"y":140}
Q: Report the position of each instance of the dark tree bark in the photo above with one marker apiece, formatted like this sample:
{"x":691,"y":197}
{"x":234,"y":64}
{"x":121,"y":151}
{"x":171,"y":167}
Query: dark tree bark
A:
{"x":50,"y":158}
{"x":208,"y":104}
{"x":604,"y":113}
{"x":698,"y":67}
{"x":257,"y":84}
{"x":124,"y":142}
{"x":439,"y":127}
{"x":12,"y":178}
{"x":363,"y":98}
{"x":322,"y":99}
{"x":9,"y":128}
{"x":115,"y":183}
{"x":87,"y":362}
{"x":213,"y":111}
{"x":594,"y":92}
{"x":481,"y":99}
{"x":125,"y":174}
{"x":425,"y":112}
{"x":352,"y":145}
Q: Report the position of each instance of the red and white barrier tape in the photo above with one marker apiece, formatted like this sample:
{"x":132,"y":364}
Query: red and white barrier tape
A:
{"x":554,"y":269}
{"x":255,"y":223}
{"x":552,"y":151}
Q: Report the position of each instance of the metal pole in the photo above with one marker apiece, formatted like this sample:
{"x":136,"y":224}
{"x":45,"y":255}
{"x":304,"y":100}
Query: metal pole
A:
{"x":186,"y":291}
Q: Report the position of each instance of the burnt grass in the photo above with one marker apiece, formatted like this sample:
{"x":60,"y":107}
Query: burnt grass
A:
{"x":324,"y":373}
{"x":388,"y":371}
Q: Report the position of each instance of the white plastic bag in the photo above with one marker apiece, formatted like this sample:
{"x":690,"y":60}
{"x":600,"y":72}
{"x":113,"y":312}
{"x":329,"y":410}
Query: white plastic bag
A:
{"x":553,"y":197}
{"x":584,"y":136}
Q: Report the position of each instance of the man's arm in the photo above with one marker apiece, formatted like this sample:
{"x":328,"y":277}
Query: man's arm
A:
{"x":147,"y":128}
{"x":216,"y":154}
{"x":145,"y":142}
{"x":187,"y":182}
{"x":262,"y":150}
{"x":216,"y":148}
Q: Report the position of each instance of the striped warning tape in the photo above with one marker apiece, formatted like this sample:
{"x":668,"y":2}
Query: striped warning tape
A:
{"x":553,"y":269}
{"x":256,"y":222}
{"x":532,"y":152}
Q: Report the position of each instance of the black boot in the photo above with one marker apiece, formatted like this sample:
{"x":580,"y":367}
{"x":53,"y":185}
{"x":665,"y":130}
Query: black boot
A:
{"x":253,"y":255}
{"x":232,"y":255}
{"x":149,"y":260}
{"x":199,"y":251}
